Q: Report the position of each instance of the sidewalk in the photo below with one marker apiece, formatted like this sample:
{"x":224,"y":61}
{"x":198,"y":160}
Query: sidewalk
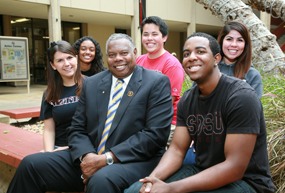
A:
{"x":17,"y":97}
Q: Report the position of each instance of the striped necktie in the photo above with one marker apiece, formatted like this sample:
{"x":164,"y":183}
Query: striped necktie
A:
{"x":113,"y":106}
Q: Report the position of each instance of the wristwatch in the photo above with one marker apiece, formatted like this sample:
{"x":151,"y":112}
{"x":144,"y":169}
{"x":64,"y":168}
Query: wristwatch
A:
{"x":109,"y":158}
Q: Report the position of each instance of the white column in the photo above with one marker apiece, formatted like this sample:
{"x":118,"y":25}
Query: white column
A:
{"x":54,"y":20}
{"x":191,"y":27}
{"x":135,"y":28}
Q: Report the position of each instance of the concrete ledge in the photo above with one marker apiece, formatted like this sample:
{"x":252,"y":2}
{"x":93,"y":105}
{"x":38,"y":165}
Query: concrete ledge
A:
{"x":6,"y":175}
{"x":4,"y":119}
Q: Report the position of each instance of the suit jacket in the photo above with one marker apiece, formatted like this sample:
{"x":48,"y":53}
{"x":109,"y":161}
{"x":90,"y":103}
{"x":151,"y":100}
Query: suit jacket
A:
{"x":142,"y":122}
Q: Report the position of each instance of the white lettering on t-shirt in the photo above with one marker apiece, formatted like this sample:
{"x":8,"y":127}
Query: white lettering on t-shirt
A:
{"x":64,"y":101}
{"x":208,"y":124}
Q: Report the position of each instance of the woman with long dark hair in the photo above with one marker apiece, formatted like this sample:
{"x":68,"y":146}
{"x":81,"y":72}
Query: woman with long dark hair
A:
{"x":236,"y":50}
{"x":64,"y":83}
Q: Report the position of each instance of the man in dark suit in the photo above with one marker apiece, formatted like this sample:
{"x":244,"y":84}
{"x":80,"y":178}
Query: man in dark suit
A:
{"x":135,"y":141}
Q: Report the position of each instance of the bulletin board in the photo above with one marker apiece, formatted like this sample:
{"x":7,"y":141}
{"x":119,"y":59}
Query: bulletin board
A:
{"x":14,"y":60}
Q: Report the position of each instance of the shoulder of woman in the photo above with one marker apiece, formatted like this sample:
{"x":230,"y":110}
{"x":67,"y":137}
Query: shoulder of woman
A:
{"x":253,"y":72}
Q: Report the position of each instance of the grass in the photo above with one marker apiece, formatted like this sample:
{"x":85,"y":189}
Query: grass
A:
{"x":273,"y":102}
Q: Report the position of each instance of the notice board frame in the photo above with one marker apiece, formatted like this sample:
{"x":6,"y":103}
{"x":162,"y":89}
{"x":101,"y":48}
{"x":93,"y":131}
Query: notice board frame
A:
{"x":14,"y":60}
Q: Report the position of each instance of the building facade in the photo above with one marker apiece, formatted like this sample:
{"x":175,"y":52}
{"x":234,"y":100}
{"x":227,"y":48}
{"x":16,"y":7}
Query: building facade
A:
{"x":43,"y":21}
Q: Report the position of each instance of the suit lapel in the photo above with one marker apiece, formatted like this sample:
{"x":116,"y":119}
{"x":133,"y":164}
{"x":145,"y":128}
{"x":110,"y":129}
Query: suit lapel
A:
{"x":129,"y":94}
{"x":104,"y":90}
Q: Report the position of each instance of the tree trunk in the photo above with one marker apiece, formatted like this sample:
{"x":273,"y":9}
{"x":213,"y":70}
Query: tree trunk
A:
{"x":276,"y":8}
{"x":266,"y":52}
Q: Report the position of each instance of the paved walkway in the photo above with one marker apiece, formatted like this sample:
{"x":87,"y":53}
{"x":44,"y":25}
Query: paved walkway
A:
{"x":12,"y":97}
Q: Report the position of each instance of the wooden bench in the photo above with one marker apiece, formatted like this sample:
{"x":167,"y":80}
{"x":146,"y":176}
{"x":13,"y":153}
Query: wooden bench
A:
{"x":16,"y":143}
{"x":22,"y":113}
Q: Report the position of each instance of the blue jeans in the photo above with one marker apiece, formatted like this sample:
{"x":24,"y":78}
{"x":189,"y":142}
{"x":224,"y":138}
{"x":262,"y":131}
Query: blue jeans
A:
{"x":189,"y":170}
{"x":190,"y":156}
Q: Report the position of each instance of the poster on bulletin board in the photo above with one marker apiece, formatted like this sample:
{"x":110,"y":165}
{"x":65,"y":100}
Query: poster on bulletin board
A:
{"x":14,"y":61}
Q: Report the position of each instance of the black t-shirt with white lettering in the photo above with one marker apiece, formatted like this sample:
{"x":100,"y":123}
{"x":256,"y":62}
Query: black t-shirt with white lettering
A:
{"x":61,"y":112}
{"x":233,"y":107}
